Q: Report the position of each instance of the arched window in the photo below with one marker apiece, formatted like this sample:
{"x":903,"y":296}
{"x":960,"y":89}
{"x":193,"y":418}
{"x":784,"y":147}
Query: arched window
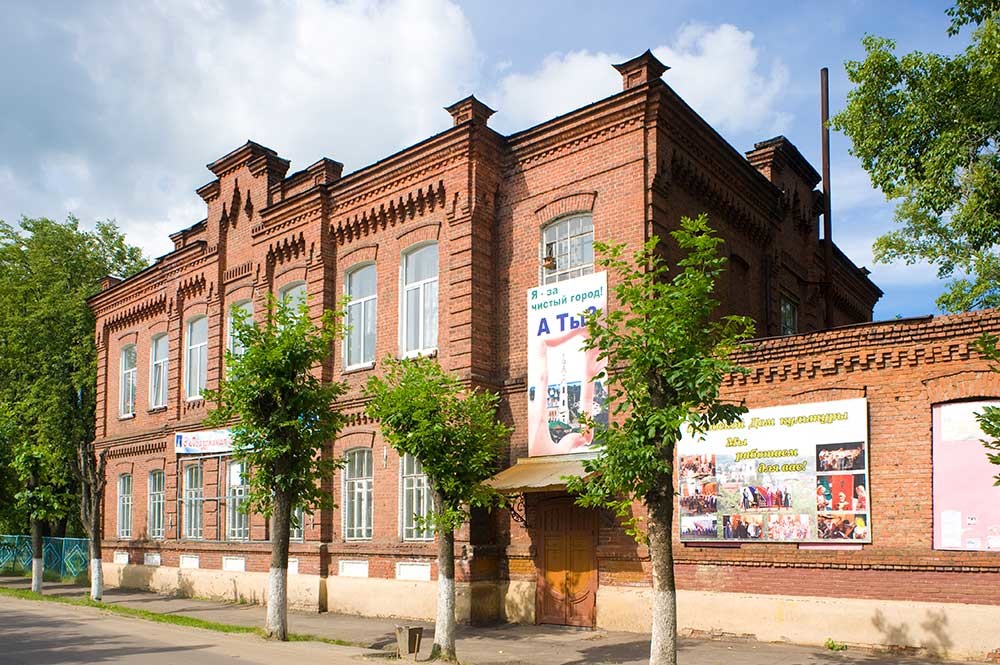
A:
{"x":358,"y":494}
{"x":158,"y":372}
{"x":157,"y":503}
{"x":293,"y":294}
{"x":567,"y":248}
{"x":194,"y":497}
{"x":126,"y":388}
{"x":196,"y":360}
{"x":359,"y":346}
{"x":125,"y":506}
{"x":419,"y":320}
{"x":244,"y":309}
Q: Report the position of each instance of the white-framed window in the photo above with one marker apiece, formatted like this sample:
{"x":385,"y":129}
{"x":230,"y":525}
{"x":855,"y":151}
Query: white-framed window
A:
{"x":567,"y":248}
{"x":297,"y":529}
{"x":419,"y":302}
{"x":416,"y":499}
{"x":125,"y":506}
{"x":158,"y":357}
{"x":789,"y":316}
{"x":196,"y":358}
{"x":157,"y":503}
{"x":358,"y":494}
{"x":194,"y":497}
{"x":126,"y":389}
{"x":359,"y":345}
{"x":237,"y":521}
{"x":293,"y":294}
{"x":244,"y":308}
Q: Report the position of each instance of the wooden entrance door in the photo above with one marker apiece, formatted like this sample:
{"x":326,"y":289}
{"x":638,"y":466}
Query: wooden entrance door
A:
{"x":567,"y":566}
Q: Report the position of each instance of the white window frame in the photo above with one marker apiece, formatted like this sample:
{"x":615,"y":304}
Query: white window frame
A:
{"x":237,"y":521}
{"x":159,"y":367}
{"x":285,"y":292}
{"x":423,"y":348}
{"x":194,"y":502}
{"x":568,"y":270}
{"x":297,"y":525}
{"x":245,"y":305}
{"x":125,"y":506}
{"x":358,"y":305}
{"x":195,"y":356}
{"x":358,"y":496}
{"x":127,"y":382}
{"x":414,"y":490}
{"x":156,"y":490}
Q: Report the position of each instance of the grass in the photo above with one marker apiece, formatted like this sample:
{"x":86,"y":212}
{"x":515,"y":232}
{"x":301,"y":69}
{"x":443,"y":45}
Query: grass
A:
{"x":833,"y":645}
{"x":174,"y":619}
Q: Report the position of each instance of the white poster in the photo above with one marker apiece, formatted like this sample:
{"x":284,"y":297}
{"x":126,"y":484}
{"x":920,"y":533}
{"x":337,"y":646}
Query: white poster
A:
{"x":560,"y":389}
{"x":205,"y":441}
{"x":795,"y":473}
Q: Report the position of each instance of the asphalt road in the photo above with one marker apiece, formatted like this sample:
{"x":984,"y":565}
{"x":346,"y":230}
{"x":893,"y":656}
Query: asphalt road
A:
{"x":40,"y":633}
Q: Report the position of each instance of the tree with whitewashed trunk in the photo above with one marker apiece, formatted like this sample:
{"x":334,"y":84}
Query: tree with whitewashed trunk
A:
{"x":667,"y":355}
{"x":90,"y":467}
{"x":454,"y":433}
{"x":283,"y":417}
{"x":48,"y":358}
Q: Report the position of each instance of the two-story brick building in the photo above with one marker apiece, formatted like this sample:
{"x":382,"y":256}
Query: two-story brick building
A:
{"x":437,"y":246}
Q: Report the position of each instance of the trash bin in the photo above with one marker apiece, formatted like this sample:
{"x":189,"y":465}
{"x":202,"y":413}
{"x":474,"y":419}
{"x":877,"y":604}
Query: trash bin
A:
{"x":408,"y":641}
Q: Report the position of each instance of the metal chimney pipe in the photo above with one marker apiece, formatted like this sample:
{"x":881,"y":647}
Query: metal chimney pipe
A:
{"x":824,"y":78}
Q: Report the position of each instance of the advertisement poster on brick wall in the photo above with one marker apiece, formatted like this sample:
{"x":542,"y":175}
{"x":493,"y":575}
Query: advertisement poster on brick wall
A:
{"x":203,"y":442}
{"x":966,"y":501}
{"x":560,"y":389}
{"x":794,"y":474}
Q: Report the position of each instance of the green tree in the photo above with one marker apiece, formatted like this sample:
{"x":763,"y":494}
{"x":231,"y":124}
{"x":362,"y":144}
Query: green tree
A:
{"x":283,"y":419}
{"x":48,"y":359}
{"x":926,"y":128}
{"x":989,"y":420}
{"x":426,"y":412}
{"x":667,"y":355}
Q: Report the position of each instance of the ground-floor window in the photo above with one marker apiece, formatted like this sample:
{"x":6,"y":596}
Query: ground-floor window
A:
{"x":416,"y":500}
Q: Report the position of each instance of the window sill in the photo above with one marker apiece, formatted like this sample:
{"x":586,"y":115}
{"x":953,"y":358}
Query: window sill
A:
{"x":156,"y":409}
{"x":422,"y":353}
{"x":128,"y":416}
{"x":354,"y":369}
{"x":194,"y":401}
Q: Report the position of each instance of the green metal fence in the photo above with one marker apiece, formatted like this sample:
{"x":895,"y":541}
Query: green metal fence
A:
{"x":65,"y":556}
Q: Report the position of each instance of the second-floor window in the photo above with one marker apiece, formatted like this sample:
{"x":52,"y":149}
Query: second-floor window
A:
{"x":158,"y":372}
{"x":358,"y":495}
{"x":194,"y":497}
{"x":157,"y":503}
{"x":419,"y":321}
{"x":359,"y":347}
{"x":416,"y":499}
{"x":568,"y":248}
{"x":196,"y":360}
{"x":237,"y":520}
{"x":789,"y":316}
{"x":126,"y":403}
{"x":125,"y":505}
{"x":244,"y":310}
{"x":293,"y":295}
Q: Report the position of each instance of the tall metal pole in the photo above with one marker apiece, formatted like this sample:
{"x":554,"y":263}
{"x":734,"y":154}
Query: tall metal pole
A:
{"x":824,"y":78}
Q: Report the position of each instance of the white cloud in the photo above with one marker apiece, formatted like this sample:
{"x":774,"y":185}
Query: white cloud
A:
{"x":171,"y":86}
{"x":717,"y":70}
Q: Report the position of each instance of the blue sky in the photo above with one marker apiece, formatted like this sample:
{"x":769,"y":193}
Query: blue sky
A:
{"x":112,"y":108}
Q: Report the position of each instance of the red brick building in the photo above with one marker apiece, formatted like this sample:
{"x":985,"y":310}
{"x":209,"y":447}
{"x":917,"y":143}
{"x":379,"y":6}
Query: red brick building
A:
{"x":438,"y":245}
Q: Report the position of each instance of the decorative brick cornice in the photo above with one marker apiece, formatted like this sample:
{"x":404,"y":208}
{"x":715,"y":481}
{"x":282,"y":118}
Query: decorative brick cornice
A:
{"x":137,"y":450}
{"x":390,"y":213}
{"x":137,"y":312}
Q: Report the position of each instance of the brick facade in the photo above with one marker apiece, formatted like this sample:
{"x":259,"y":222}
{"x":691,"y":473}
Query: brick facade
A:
{"x":636,"y":162}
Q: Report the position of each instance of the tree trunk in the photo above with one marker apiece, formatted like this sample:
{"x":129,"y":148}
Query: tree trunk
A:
{"x":37,"y":556}
{"x":444,"y":625}
{"x":276,"y":624}
{"x":96,"y":568}
{"x":663,"y":646}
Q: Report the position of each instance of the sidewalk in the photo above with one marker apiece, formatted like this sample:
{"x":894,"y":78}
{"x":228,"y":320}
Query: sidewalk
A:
{"x":494,"y":645}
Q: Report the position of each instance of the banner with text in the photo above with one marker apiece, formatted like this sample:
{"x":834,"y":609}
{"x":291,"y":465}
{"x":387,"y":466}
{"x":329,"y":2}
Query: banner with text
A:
{"x":205,"y":441}
{"x":796,"y":473}
{"x":560,"y":389}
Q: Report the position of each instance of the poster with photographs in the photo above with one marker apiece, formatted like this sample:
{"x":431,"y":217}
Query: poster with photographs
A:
{"x":795,"y":474}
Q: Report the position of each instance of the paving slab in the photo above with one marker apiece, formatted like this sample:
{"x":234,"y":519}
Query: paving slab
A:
{"x":506,"y":644}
